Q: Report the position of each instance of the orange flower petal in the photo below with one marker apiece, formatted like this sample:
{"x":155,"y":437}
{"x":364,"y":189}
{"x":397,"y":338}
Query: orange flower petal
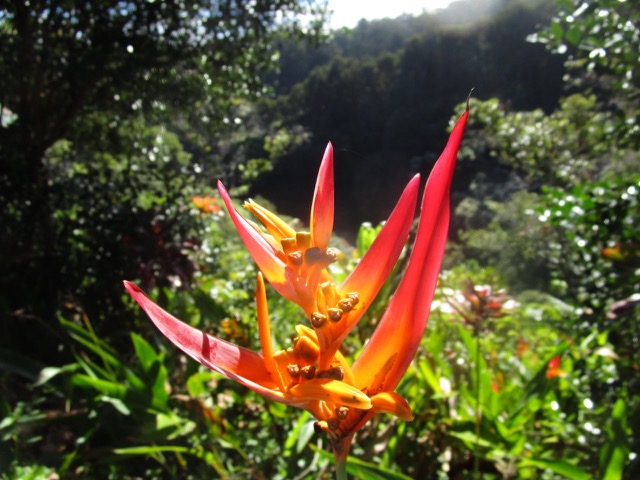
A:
{"x":277,"y":227}
{"x":391,"y":402}
{"x":264,"y":328}
{"x":334,"y":391}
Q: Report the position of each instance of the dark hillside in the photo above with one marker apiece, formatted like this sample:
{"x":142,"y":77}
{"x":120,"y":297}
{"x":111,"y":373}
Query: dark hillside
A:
{"x":384,"y":92}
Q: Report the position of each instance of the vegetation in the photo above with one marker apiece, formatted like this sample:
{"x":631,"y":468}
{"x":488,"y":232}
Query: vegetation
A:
{"x":529,"y":367}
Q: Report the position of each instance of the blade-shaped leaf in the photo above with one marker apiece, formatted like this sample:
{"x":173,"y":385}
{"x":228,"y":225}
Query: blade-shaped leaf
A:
{"x":567,"y":470}
{"x":364,"y":470}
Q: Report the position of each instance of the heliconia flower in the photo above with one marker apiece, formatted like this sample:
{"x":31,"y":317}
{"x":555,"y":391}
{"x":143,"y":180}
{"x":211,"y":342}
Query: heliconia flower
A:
{"x":206,"y":204}
{"x":312,"y":373}
{"x":295,"y":263}
{"x":478,"y":302}
{"x":553,"y":369}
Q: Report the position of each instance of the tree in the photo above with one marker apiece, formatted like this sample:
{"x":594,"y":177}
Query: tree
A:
{"x":60,"y":59}
{"x":602,"y":42}
{"x":66,"y":65}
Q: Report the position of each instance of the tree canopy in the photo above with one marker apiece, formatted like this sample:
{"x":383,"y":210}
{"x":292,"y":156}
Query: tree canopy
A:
{"x":93,"y":74}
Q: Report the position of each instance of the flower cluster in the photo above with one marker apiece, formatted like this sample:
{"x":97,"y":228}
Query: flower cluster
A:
{"x":476,"y":303}
{"x":312,"y":373}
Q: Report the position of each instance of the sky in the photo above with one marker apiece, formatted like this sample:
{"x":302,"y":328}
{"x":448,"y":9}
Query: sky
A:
{"x":346,"y":13}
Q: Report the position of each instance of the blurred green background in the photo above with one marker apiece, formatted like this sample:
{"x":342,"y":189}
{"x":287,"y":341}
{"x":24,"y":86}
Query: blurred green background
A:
{"x":115,"y":115}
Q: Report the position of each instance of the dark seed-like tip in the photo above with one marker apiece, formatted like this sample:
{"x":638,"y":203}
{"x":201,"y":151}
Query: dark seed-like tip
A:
{"x":342,"y":412}
{"x":354,"y":296}
{"x":293,"y":370}
{"x":312,"y":255}
{"x":346,"y":304}
{"x":295,"y":258}
{"x":318,"y":319}
{"x":335,"y":314}
{"x":308,"y":372}
{"x":337,"y":373}
{"x":331,"y":255}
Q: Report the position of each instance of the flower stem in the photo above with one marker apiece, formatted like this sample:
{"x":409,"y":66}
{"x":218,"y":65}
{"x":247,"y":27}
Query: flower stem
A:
{"x":476,"y":447}
{"x":341,"y":468}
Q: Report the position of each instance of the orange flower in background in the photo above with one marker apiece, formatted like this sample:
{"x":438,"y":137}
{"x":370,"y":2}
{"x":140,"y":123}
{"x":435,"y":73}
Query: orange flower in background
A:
{"x":207,"y":204}
{"x":313,"y":374}
{"x":553,"y":370}
{"x":522,"y":347}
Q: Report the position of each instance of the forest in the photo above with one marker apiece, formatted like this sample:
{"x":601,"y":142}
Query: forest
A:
{"x":180,"y":146}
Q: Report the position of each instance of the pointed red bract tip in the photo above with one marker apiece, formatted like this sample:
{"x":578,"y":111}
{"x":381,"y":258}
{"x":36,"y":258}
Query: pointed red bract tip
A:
{"x":322,"y":207}
{"x":131,"y":287}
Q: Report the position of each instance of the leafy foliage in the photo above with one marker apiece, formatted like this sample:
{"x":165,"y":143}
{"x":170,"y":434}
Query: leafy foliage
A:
{"x":529,"y":368}
{"x":104,"y":105}
{"x":596,"y":254}
{"x":601,"y":39}
{"x":382,"y":92}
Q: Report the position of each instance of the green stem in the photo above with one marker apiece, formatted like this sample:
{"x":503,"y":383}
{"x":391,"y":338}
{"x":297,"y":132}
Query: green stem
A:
{"x":476,"y":447}
{"x":341,"y":468}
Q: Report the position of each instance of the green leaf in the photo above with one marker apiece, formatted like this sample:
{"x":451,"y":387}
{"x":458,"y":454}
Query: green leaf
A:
{"x":367,"y":233}
{"x":556,"y":30}
{"x":558,"y":466}
{"x":150,"y":450}
{"x":90,"y":341}
{"x":198,"y":383}
{"x":48,"y":373}
{"x":364,"y":470}
{"x":370,"y":471}
{"x":156,"y":451}
{"x":424,"y":367}
{"x":471,"y":439}
{"x":134,"y":380}
{"x":306,"y":433}
{"x":160,"y":395}
{"x":171,"y":425}
{"x":614,"y":454}
{"x":300,"y":435}
{"x":144,"y":351}
{"x":573,"y":35}
{"x":110,"y":389}
{"x":484,"y":381}
{"x":117,"y":404}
